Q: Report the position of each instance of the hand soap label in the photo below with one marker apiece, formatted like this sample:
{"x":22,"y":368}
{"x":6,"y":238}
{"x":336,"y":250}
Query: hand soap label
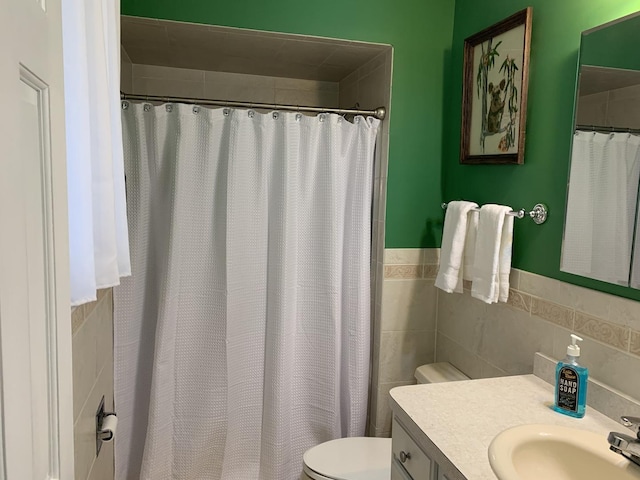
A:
{"x":568,"y":389}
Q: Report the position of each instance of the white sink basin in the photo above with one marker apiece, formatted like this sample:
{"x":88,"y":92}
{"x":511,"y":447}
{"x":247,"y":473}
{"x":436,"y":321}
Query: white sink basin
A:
{"x":536,"y":452}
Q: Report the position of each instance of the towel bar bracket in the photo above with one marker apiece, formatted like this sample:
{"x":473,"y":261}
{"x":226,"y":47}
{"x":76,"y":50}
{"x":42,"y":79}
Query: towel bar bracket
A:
{"x":539,"y":213}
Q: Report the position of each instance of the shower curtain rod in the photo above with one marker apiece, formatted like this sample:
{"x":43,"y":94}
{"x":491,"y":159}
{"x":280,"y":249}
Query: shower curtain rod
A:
{"x":597,"y":128}
{"x":378,"y":113}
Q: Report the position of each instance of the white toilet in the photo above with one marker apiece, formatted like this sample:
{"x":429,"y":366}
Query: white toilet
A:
{"x":366,"y":458}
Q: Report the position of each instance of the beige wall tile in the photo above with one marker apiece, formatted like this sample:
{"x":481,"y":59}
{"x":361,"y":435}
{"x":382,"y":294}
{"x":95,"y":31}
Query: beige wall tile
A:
{"x":312,"y":98}
{"x":623,"y":311}
{"x":92,"y":378}
{"x":592,"y":109}
{"x":400,"y":272}
{"x":348,"y":95}
{"x":77,"y":318}
{"x":624,"y":113}
{"x":306,"y":85}
{"x":458,"y":356}
{"x":635,"y":343}
{"x":409,"y":305}
{"x":519,"y":300}
{"x":512,"y":337}
{"x":104,"y":331}
{"x":583,"y":299}
{"x":383,"y":412}
{"x":430,"y":271}
{"x":431,"y":256}
{"x":514,"y":278}
{"x":373,"y":88}
{"x":167,"y":87}
{"x":126,"y":72}
{"x":103,"y":467}
{"x":379,"y":61}
{"x":596,"y":328}
{"x":552,"y":312}
{"x":402,"y":352}
{"x":489,"y":371}
{"x":461,"y":318}
{"x":84,"y":361}
{"x":167,"y":73}
{"x":383,"y":202}
{"x":606,"y":364}
{"x":85,"y":426}
{"x":403,"y":256}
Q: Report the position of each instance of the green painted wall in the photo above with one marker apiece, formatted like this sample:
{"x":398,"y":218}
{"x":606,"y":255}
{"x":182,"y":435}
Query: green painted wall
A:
{"x":556,"y":32}
{"x":615,"y":46}
{"x":420,"y":33}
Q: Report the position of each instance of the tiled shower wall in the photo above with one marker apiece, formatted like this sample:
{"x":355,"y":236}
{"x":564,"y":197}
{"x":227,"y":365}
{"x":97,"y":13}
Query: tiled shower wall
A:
{"x":618,"y":108}
{"x":92,"y":329}
{"x":182,"y":82}
{"x":501,"y":339}
{"x":406,"y":327}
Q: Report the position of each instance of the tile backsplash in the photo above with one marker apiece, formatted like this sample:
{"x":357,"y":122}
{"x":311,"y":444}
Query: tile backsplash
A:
{"x":420,"y":324}
{"x":501,"y":339}
{"x":92,"y":328}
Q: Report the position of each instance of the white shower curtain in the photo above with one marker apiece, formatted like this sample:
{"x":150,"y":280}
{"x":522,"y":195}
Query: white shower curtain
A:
{"x":601,"y":206}
{"x":242,"y":337}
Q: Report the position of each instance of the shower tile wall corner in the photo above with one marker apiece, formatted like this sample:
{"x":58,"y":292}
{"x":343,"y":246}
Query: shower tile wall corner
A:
{"x":126,"y":72}
{"x":406,"y":326}
{"x":92,"y":329}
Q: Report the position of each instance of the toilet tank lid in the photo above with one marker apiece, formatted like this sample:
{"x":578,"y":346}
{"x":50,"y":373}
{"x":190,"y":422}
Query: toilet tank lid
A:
{"x":354,"y":458}
{"x":439,"y":372}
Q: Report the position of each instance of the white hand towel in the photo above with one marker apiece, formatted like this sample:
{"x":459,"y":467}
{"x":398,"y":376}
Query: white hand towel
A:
{"x":470,"y":245}
{"x":486,"y":267}
{"x":449,"y":276}
{"x":506,"y":244}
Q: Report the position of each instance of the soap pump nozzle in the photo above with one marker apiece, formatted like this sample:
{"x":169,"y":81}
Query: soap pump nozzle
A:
{"x":573,"y":350}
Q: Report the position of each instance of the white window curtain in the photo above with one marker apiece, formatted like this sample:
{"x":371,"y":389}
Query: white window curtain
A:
{"x":601,"y":206}
{"x":98,"y":239}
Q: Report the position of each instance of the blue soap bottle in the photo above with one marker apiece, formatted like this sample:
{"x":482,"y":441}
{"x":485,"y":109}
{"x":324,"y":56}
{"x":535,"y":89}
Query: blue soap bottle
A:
{"x":571,"y":383}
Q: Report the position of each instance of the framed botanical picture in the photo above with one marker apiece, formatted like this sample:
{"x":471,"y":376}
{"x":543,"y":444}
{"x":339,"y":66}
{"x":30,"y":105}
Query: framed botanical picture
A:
{"x":494,"y":97}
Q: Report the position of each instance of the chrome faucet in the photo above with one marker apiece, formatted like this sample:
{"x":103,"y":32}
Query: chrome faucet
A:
{"x":626,"y":445}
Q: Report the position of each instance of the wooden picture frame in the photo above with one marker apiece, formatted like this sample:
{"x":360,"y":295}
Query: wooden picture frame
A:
{"x":494,"y":92}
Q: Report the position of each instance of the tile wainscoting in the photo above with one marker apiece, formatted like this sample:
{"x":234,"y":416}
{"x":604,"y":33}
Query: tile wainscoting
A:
{"x":405,"y":328}
{"x":420,"y":324}
{"x":501,"y":339}
{"x":92,"y":328}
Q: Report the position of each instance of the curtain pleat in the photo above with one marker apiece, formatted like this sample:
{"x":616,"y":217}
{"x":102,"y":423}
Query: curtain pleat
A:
{"x":242,"y":338}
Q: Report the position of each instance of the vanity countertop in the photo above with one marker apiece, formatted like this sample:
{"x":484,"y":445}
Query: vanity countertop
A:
{"x":455,"y":422}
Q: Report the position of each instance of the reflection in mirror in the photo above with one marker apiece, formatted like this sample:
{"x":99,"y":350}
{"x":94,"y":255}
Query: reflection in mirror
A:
{"x":605,"y":162}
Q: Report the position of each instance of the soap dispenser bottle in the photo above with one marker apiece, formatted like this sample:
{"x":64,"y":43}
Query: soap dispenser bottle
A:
{"x":571,"y":383}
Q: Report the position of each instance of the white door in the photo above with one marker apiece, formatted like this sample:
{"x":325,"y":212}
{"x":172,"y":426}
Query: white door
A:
{"x":36,"y":409}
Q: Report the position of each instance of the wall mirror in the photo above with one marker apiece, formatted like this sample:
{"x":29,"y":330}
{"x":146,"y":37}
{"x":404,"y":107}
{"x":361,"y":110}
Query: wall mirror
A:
{"x":601,"y":230}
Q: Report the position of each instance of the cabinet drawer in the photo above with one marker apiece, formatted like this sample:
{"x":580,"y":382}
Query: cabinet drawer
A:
{"x":405,"y":450}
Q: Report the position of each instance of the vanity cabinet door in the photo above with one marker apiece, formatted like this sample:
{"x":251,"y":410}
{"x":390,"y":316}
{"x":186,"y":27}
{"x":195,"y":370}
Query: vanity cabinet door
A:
{"x":441,"y":476}
{"x":397,"y":472}
{"x":407,"y":453}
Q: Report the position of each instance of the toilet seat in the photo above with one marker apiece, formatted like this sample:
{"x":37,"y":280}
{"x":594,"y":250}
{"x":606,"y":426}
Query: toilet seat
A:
{"x":354,"y":458}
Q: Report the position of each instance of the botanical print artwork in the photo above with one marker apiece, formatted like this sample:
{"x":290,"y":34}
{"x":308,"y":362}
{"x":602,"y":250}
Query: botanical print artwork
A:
{"x":497,"y":74}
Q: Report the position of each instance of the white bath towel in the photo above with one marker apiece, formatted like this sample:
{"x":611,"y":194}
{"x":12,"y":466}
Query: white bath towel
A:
{"x":492,"y":262}
{"x":449,"y":276}
{"x":470,"y":245}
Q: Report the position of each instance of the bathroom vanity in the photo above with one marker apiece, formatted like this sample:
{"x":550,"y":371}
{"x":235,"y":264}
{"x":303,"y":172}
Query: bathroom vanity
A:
{"x":443,"y":431}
